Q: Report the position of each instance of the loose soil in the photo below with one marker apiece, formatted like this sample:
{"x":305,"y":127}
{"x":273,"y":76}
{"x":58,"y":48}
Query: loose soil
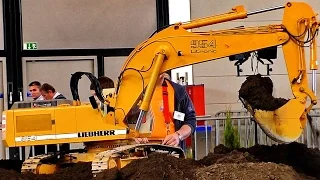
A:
{"x":11,"y":164}
{"x":156,"y":167}
{"x":292,"y":161}
{"x":257,"y":91}
{"x":248,"y":171}
{"x":79,"y":171}
{"x":302,"y":159}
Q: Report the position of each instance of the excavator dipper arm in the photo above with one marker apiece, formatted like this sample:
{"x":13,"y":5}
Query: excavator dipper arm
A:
{"x":175,"y":47}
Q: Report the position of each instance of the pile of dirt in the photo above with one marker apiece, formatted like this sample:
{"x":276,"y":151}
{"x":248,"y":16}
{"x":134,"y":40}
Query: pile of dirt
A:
{"x":256,"y":171}
{"x":14,"y":165}
{"x":156,"y":167}
{"x":10,"y":174}
{"x":257,"y":162}
{"x":78,"y":171}
{"x":161,"y":166}
{"x":304,"y":160}
{"x":286,"y":161}
{"x":257,"y":91}
{"x":230,"y":157}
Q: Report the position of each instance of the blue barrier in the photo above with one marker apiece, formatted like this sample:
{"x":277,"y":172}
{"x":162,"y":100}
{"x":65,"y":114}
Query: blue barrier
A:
{"x":203,"y":128}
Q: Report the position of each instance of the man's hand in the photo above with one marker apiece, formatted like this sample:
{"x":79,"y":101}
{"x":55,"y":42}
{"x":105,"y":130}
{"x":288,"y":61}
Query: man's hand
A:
{"x":171,"y":140}
{"x":141,"y":140}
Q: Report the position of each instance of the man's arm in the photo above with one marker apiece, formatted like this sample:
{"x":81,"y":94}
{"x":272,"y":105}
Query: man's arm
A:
{"x":184,"y":132}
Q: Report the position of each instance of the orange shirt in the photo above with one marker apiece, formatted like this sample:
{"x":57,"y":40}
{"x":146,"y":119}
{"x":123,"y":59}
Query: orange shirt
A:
{"x":159,"y":128}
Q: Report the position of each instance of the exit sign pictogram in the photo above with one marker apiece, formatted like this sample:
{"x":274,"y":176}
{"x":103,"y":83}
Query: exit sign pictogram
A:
{"x":30,"y":46}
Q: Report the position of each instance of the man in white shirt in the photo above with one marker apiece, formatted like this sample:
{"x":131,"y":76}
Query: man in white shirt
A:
{"x":48,"y":92}
{"x":34,"y":88}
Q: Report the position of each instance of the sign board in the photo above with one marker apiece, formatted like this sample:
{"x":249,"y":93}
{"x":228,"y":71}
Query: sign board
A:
{"x":30,"y":46}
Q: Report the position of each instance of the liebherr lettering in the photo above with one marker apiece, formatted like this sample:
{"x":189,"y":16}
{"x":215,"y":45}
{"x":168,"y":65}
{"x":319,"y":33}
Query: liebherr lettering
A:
{"x":97,"y":133}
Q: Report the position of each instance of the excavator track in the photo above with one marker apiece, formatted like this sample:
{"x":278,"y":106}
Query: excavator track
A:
{"x":32,"y":164}
{"x":51,"y":162}
{"x":110,"y":158}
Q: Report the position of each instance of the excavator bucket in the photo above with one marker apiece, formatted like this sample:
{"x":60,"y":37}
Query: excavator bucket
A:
{"x":281,"y":119}
{"x":284,"y":124}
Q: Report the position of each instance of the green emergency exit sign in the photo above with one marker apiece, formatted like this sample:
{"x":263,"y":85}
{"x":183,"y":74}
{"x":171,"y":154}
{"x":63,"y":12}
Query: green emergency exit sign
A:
{"x":30,"y":46}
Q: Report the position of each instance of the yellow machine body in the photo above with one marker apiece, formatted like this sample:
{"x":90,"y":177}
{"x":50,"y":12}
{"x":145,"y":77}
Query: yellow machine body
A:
{"x":56,"y":125}
{"x":173,"y":47}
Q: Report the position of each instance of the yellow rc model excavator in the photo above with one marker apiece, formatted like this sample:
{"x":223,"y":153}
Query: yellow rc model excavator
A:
{"x":108,"y":134}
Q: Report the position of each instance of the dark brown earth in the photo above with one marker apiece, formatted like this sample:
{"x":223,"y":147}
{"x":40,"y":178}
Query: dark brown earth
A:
{"x":79,"y":171}
{"x":226,"y":164}
{"x":256,"y":171}
{"x":302,"y":159}
{"x":257,"y":91}
{"x":231,"y":157}
{"x":11,"y":164}
{"x":288,"y":161}
{"x":157,"y":167}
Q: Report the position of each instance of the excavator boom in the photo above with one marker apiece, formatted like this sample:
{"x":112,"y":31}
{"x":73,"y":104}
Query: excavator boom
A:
{"x":175,"y":47}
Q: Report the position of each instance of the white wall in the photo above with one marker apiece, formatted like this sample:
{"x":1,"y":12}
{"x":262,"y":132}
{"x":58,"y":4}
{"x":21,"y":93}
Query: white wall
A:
{"x":72,"y":24}
{"x":179,"y":11}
